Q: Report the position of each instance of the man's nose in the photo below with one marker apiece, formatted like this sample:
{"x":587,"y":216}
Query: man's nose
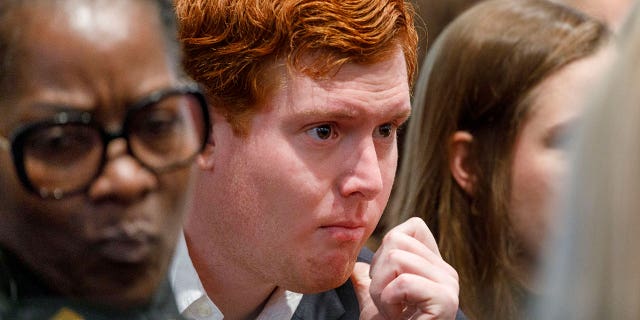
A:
{"x":362,"y":173}
{"x":123,"y":178}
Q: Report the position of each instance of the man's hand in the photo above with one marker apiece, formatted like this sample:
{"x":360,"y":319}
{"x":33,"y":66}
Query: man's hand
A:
{"x":408,"y":278}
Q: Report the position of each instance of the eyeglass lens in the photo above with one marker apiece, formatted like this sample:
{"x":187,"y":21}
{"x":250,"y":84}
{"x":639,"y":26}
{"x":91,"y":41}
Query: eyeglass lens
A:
{"x":168,"y":134}
{"x":64,"y":158}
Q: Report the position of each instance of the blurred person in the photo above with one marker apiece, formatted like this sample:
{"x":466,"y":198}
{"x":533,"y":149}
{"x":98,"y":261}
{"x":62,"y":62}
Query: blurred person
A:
{"x":613,"y":12}
{"x":593,"y":261}
{"x":435,"y":15}
{"x":307,"y":97}
{"x":484,"y":151}
{"x":97,"y":137}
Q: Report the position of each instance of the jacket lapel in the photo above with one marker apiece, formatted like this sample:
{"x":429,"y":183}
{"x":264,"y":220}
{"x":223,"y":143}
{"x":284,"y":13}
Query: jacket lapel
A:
{"x":340,"y":303}
{"x":324,"y":305}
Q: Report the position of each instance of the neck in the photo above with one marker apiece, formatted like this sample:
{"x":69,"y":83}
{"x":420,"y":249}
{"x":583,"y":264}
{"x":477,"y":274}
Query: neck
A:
{"x":237,"y":292}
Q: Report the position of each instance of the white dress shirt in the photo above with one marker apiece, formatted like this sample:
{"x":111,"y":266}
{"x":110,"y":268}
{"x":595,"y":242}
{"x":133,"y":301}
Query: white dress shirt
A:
{"x":193,"y":302}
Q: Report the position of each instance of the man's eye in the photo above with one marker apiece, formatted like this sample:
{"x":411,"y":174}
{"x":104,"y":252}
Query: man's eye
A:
{"x":385,"y":130}
{"x":323,"y":132}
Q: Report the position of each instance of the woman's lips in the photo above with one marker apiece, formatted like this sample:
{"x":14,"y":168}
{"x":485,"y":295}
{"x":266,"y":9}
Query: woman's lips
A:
{"x":125,"y":249}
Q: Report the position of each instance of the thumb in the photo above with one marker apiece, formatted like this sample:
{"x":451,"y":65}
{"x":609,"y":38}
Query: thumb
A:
{"x":361,"y":282}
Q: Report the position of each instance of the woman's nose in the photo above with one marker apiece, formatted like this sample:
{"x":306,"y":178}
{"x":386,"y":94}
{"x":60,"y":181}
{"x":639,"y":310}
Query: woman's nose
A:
{"x":123,"y":177}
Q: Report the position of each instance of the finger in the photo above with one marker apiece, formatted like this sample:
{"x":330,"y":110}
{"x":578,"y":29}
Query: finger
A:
{"x":398,"y":262}
{"x":361,"y":282}
{"x":402,"y":242}
{"x":418,"y":229}
{"x":431,"y":300}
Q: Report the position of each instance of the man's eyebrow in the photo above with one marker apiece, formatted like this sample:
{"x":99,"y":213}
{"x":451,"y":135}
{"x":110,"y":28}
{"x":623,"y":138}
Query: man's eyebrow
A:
{"x":352,"y":113}
{"x":348,"y":113}
{"x":404,"y":113}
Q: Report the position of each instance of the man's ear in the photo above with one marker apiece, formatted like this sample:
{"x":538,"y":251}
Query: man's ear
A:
{"x":205,"y":158}
{"x":459,"y":153}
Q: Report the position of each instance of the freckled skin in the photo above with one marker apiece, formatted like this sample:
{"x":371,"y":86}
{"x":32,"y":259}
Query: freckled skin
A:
{"x":316,"y":155}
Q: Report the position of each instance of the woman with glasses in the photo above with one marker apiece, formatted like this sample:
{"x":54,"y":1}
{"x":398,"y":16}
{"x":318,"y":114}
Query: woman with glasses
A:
{"x":97,"y":135}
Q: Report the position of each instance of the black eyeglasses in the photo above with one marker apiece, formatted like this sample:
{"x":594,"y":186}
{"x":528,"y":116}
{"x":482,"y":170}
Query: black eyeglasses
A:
{"x":63,"y":155}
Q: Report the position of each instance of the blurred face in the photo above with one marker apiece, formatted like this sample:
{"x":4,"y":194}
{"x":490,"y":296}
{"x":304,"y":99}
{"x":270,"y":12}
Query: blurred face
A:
{"x":297,"y":198}
{"x":112,"y":242}
{"x":613,"y":12}
{"x":540,"y":159}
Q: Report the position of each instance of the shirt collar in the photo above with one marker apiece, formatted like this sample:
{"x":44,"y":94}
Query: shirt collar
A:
{"x":186,"y":283}
{"x":192,"y":298}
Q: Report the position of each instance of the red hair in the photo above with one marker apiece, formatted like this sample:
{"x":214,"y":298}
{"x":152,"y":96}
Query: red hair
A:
{"x":230,"y":44}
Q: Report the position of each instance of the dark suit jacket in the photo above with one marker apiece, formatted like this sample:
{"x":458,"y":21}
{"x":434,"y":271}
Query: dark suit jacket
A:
{"x":337,"y":304}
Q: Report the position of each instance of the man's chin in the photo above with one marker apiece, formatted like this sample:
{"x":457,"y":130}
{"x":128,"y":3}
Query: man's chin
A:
{"x":326,"y":277}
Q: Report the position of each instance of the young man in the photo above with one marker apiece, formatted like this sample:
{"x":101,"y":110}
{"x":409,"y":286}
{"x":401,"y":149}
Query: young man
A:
{"x":307,"y":98}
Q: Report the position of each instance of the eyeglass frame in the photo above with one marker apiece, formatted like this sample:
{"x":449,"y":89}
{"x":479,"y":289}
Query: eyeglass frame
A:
{"x":15,"y":143}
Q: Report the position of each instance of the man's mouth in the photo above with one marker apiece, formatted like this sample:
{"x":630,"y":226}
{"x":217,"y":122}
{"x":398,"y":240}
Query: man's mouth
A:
{"x":345,"y":232}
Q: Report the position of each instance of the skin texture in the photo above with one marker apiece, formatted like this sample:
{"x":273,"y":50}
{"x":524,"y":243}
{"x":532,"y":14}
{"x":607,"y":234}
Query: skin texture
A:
{"x":112,"y":244}
{"x":285,"y":207}
{"x":540,"y":153}
{"x":408,"y":279}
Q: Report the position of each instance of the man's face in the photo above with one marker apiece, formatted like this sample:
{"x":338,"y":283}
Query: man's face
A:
{"x":111,"y":244}
{"x":293,"y":202}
